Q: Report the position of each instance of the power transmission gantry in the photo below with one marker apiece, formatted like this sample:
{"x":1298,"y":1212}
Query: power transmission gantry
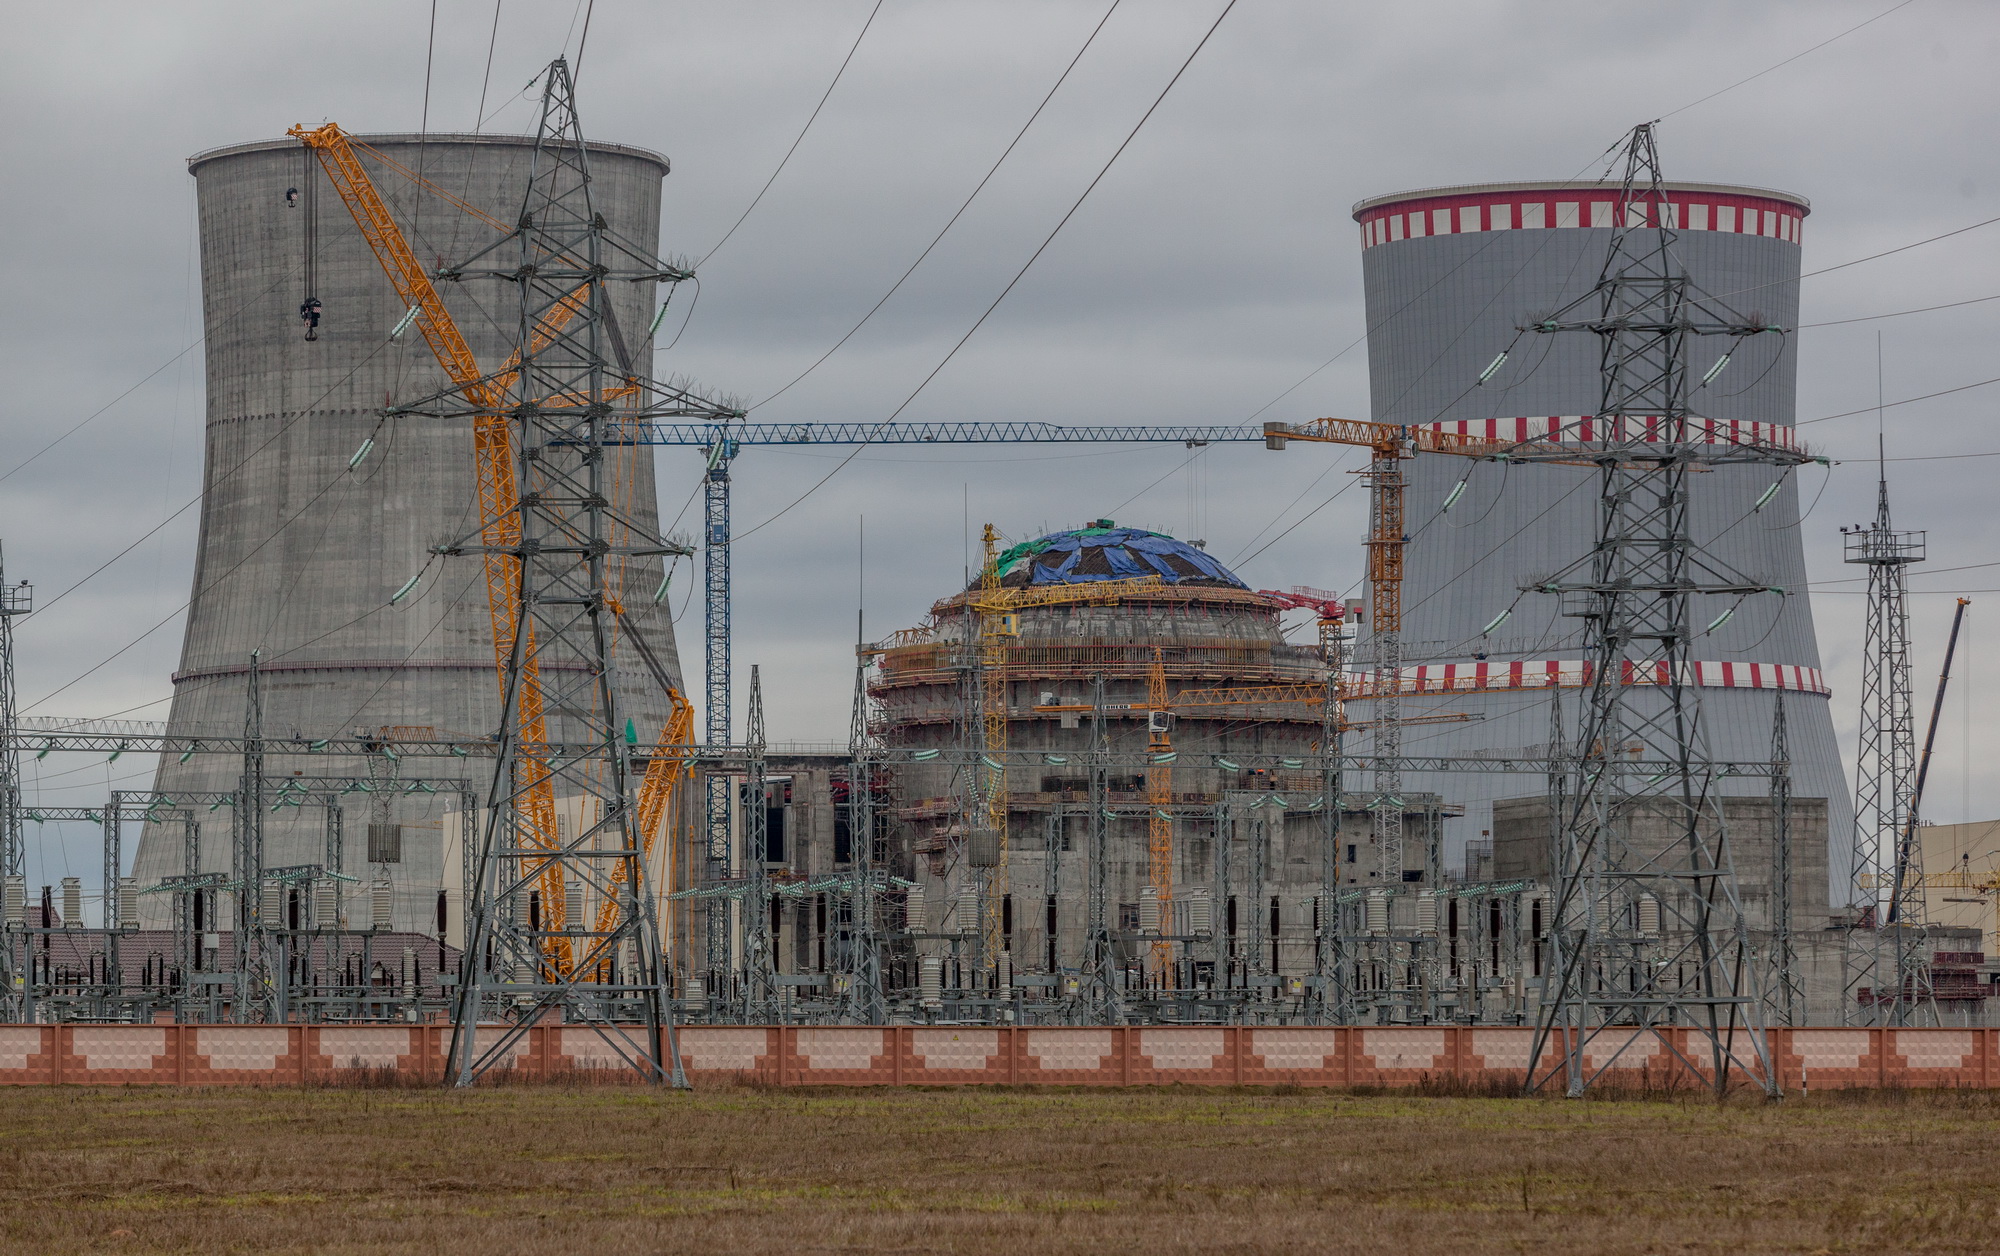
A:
{"x":1648,"y":926}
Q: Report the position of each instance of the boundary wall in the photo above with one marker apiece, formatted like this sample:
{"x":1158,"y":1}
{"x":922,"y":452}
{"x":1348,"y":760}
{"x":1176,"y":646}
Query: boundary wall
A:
{"x":848,"y":1055}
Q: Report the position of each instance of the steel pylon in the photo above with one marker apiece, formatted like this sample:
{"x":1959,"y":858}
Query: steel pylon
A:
{"x":1884,"y":970}
{"x":560,"y":917}
{"x":1648,"y":931}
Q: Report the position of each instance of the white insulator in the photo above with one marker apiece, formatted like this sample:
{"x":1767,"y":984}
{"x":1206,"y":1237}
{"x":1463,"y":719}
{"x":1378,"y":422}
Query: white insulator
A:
{"x":1649,"y":916}
{"x":914,"y":920}
{"x":14,"y":899}
{"x":930,"y":989}
{"x":965,"y":919}
{"x":1427,"y":913}
{"x":1602,"y":914}
{"x":326,"y":903}
{"x":409,"y":973}
{"x":72,"y":901}
{"x":1201,"y":914}
{"x":383,"y":903}
{"x":628,"y":962}
{"x":573,"y":904}
{"x":694,"y":992}
{"x":1003,"y":975}
{"x":128,"y":901}
{"x":1378,"y":913}
{"x":1149,"y":910}
{"x":273,"y":905}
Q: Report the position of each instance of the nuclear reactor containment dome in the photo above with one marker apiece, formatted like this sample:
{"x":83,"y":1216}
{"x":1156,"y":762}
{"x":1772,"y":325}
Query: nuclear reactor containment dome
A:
{"x":302,"y":554}
{"x":1242,"y":708}
{"x":1452,"y":276}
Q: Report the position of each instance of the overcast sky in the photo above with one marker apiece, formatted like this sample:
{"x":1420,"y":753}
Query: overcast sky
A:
{"x":1209,"y":278}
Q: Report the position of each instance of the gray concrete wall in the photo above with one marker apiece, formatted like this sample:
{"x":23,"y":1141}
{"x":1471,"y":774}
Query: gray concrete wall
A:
{"x":298,"y":555}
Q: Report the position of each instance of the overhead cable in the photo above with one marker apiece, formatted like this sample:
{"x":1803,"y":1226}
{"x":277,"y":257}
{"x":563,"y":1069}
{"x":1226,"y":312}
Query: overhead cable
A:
{"x":981,"y":320}
{"x":798,"y":140}
{"x":967,"y":204}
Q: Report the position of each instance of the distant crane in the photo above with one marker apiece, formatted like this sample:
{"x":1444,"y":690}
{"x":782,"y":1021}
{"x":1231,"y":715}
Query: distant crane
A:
{"x":1389,"y":444}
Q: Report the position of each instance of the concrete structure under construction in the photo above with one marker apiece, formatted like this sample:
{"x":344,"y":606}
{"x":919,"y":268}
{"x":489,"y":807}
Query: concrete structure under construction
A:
{"x":1240,"y":790}
{"x":319,"y":507}
{"x":1456,"y":276}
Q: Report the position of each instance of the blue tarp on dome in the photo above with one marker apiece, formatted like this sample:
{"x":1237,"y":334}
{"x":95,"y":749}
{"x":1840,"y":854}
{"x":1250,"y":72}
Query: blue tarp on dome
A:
{"x":1104,"y":551}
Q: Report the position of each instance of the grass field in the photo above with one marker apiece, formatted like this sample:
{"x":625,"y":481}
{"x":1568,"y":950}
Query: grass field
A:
{"x":607,"y":1170}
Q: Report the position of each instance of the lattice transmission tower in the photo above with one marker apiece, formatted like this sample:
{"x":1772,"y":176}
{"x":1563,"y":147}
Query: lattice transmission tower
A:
{"x":1881,"y":948}
{"x":563,"y":915}
{"x":1648,"y":930}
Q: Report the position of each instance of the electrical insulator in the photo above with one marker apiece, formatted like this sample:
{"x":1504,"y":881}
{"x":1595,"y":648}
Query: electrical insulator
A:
{"x":573,"y":905}
{"x":694,"y":992}
{"x":1427,"y":915}
{"x":913,"y":910}
{"x":14,"y":899}
{"x":72,"y":902}
{"x":1378,"y":913}
{"x":966,"y":918}
{"x":128,"y":902}
{"x":1649,"y":916}
{"x":273,"y":905}
{"x":1003,"y":977}
{"x":383,"y":904}
{"x":931,"y":984}
{"x":326,"y":903}
{"x":409,"y":973}
{"x":1201,"y":914}
{"x":1149,"y":910}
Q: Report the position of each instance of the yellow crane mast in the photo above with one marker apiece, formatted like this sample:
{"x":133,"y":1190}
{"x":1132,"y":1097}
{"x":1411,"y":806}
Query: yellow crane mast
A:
{"x":996,"y":625}
{"x":1160,"y":796}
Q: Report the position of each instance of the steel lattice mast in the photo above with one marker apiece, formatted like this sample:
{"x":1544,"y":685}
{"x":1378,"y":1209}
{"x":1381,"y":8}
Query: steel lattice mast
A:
{"x":532,"y":942}
{"x":1648,"y":929}
{"x":716,"y":698}
{"x":1880,"y":950}
{"x":15,"y":600}
{"x":1787,"y":996}
{"x":861,"y":999}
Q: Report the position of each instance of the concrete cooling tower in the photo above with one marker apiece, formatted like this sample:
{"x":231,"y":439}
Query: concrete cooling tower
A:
{"x":1452,"y":274}
{"x":301,"y":555}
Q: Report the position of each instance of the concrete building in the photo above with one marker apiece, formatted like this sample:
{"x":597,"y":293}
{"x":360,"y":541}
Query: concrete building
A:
{"x":1452,"y":276}
{"x":1961,"y":875}
{"x":1248,"y":829}
{"x":301,"y":554}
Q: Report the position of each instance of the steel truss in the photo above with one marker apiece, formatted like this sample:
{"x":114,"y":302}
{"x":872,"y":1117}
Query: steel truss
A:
{"x":1886,"y":939}
{"x":534,"y":946}
{"x":1648,"y":930}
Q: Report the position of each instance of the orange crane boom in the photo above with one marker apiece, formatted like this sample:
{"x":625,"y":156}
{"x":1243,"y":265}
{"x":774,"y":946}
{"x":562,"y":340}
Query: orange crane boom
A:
{"x":498,"y":489}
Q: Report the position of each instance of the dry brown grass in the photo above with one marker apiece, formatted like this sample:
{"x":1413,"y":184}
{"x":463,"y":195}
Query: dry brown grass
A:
{"x":604,"y":1170}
